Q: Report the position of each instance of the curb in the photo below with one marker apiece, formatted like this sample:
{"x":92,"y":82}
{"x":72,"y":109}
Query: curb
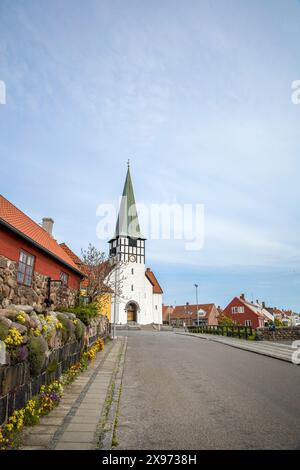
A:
{"x":261,"y":353}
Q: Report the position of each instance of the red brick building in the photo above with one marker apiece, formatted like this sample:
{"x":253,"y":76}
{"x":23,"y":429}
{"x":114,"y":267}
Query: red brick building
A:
{"x":247,"y":313}
{"x":30,"y":258}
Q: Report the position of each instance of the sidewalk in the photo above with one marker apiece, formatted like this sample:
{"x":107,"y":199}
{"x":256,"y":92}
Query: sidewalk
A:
{"x":74,"y":424}
{"x":266,"y":348}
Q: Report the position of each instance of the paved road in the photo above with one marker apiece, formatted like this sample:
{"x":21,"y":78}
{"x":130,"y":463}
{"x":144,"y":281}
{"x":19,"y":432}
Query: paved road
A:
{"x":185,"y":393}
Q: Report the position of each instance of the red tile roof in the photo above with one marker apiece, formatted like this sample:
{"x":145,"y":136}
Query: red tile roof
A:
{"x":83,"y":268}
{"x":71,"y":253}
{"x":15,"y":219}
{"x":184,"y":311}
{"x":156,"y":287}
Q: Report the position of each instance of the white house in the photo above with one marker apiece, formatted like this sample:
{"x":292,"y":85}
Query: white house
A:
{"x":141,"y":297}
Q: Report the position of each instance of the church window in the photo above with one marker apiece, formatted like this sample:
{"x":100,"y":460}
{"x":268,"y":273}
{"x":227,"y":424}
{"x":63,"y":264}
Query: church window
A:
{"x":132,"y":271}
{"x":132,"y":287}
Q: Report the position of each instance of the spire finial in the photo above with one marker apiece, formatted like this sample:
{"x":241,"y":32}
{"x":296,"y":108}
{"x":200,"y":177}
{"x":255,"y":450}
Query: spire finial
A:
{"x":128,"y":163}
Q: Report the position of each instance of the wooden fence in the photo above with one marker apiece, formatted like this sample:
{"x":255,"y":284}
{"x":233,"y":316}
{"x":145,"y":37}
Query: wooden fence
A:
{"x":236,"y":331}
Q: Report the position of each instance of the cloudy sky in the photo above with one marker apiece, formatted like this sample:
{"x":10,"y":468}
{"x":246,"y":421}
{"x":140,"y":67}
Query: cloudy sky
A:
{"x":197,"y":94}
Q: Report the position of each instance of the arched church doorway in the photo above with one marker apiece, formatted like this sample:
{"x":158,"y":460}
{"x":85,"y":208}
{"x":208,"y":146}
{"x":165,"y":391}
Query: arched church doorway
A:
{"x":131,"y":312}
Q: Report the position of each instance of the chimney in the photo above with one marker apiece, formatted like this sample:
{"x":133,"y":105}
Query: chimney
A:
{"x":263,"y":305}
{"x":242,"y":296}
{"x":47,"y":224}
{"x":187,"y":303}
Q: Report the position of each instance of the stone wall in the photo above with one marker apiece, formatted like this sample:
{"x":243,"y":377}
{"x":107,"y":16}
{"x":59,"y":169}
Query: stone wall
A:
{"x":280,"y":334}
{"x":13,"y":293}
{"x":18,"y":383}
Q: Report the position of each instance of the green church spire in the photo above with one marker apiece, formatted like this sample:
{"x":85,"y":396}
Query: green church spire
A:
{"x":128,"y":222}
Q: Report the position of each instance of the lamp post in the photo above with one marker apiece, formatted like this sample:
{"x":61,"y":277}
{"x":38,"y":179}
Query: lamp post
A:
{"x":115,"y":307}
{"x":196,"y":286}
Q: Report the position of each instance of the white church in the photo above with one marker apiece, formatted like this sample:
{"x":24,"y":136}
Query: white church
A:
{"x":140,"y":301}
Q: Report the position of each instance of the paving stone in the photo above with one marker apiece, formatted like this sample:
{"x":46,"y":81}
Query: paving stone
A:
{"x":43,"y":429}
{"x":90,"y":406}
{"x":51,"y":421}
{"x":33,"y":448}
{"x":84,"y":427}
{"x":85,"y":419}
{"x":38,"y":439}
{"x":87,"y":412}
{"x":74,"y":446}
{"x":78,"y":436}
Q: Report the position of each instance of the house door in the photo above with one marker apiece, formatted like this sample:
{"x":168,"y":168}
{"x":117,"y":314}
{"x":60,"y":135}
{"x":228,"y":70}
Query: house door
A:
{"x":131,"y":313}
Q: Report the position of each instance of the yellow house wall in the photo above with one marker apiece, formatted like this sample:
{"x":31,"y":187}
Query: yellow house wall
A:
{"x":104,"y":305}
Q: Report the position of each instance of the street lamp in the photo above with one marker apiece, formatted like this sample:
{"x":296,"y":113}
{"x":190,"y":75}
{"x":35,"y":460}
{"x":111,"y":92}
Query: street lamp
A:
{"x":196,"y":286}
{"x":113,"y":326}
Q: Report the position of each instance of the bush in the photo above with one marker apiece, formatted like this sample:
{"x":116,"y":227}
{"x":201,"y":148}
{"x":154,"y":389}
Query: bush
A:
{"x":37,"y":348}
{"x":3,"y":331}
{"x":68,"y":331}
{"x":85,"y":313}
{"x":79,"y":329}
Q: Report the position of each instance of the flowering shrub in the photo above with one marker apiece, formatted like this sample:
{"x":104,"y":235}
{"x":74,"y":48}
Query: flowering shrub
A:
{"x":20,"y":318}
{"x":4,"y":442}
{"x":49,"y":397}
{"x":91,"y":353}
{"x":13,"y":339}
{"x":55,"y":386}
{"x":32,"y":412}
{"x":48,"y":401}
{"x":58,"y":326}
{"x":35,"y":331}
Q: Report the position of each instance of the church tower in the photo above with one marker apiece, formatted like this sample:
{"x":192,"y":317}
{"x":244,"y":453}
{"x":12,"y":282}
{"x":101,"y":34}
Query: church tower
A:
{"x":138,"y":302}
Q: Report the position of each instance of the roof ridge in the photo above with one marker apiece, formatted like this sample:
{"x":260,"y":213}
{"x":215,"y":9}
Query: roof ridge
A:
{"x":27,"y":216}
{"x":15,"y":219}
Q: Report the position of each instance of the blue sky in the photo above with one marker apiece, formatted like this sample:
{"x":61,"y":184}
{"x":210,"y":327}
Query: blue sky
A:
{"x":197,"y":94}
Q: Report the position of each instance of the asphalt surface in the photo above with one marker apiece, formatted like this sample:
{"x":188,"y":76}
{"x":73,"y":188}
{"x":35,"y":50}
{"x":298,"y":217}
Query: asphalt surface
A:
{"x":184,"y":393}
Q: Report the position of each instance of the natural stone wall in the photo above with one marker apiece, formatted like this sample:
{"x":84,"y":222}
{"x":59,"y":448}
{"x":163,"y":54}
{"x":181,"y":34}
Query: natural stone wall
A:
{"x":280,"y":334}
{"x":13,"y":293}
{"x":18,"y":380}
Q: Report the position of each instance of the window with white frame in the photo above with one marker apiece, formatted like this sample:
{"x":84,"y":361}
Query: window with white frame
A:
{"x":25,"y":268}
{"x":238,"y":309}
{"x":64,"y":277}
{"x":248,"y":323}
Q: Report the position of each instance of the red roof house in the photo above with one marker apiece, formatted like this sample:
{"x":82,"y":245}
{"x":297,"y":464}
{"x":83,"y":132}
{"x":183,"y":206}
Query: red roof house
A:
{"x":31,"y":260}
{"x":189,"y":314}
{"x":247,"y":313}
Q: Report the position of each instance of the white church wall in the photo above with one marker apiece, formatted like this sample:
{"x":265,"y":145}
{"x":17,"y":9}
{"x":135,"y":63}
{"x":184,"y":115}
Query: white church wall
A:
{"x":157,"y":308}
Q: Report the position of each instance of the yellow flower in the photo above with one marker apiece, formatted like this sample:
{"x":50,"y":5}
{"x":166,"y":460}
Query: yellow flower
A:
{"x":14,"y":338}
{"x":58,"y":326}
{"x":35,"y":331}
{"x":20,"y":319}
